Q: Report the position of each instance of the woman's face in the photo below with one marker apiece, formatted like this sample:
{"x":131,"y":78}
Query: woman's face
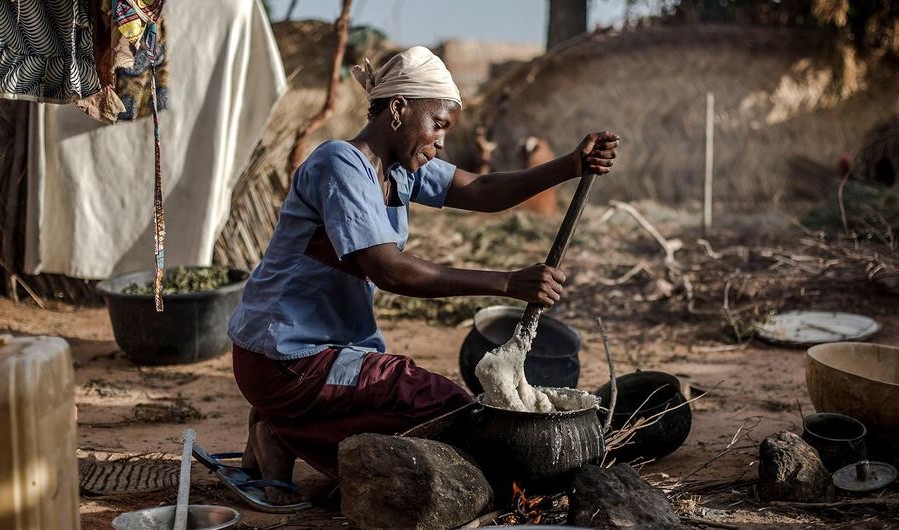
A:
{"x":425,"y":124}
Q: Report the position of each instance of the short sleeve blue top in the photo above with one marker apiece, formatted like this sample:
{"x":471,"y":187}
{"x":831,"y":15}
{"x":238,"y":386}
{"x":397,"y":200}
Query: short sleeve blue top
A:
{"x":304,"y":297}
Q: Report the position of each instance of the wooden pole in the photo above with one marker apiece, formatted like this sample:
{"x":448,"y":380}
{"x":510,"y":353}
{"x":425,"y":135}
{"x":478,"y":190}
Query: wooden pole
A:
{"x":709,"y":158}
{"x":342,"y":28}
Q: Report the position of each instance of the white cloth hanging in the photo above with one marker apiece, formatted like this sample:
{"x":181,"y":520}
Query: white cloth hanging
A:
{"x":90,"y":185}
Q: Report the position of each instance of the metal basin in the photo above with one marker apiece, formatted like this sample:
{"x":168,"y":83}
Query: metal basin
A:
{"x":199,"y":517}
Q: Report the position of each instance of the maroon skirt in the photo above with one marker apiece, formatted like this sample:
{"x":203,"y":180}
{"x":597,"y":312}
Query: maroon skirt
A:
{"x":312,"y":408}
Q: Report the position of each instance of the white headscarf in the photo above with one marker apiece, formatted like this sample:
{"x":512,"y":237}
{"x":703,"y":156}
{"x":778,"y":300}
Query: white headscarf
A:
{"x":415,"y":73}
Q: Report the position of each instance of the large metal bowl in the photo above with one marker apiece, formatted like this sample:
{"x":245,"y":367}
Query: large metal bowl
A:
{"x":860,"y":380}
{"x":199,"y":517}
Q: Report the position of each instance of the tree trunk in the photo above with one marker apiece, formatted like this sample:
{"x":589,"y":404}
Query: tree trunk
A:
{"x":567,"y":19}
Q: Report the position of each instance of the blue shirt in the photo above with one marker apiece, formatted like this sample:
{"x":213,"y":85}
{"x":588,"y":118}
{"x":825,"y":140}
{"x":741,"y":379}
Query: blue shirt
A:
{"x":304,"y":297}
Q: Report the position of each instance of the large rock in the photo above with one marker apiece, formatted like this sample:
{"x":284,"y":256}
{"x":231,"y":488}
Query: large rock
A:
{"x":617,"y":498}
{"x":393,"y":482}
{"x":791,"y":470}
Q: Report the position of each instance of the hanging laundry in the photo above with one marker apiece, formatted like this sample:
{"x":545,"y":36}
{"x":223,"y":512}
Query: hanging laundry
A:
{"x":47,"y":51}
{"x":133,"y":82}
{"x":129,"y":48}
{"x":90,"y":184}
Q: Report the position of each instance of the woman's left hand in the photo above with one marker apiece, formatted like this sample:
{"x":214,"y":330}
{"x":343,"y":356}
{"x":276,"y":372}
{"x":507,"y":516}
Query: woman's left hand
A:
{"x":596,"y":153}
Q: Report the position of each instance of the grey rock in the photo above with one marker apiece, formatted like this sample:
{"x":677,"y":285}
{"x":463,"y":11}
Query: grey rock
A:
{"x":617,"y":498}
{"x":395,"y":482}
{"x":791,"y":470}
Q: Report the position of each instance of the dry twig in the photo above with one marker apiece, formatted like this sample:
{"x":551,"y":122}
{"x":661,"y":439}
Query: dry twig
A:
{"x":882,"y":501}
{"x":614,"y":384}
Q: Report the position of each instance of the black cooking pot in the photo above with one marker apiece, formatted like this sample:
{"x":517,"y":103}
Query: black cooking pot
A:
{"x":551,"y":362}
{"x":193,"y":327}
{"x":535,"y":447}
{"x":644,"y":395}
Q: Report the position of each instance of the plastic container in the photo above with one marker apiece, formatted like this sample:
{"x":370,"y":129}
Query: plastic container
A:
{"x":193,"y":327}
{"x":38,"y":467}
{"x":551,"y":362}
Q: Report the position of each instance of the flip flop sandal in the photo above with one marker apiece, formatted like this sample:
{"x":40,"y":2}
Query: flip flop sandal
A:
{"x":244,"y":486}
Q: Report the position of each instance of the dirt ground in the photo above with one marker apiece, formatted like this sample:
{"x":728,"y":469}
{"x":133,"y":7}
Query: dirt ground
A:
{"x":754,"y":390}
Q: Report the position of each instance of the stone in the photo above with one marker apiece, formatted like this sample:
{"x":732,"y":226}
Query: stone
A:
{"x":399,"y":482}
{"x":616,"y":497}
{"x":791,"y":470}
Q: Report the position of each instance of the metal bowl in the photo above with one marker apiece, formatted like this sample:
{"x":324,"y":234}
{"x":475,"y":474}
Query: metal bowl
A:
{"x":199,"y":517}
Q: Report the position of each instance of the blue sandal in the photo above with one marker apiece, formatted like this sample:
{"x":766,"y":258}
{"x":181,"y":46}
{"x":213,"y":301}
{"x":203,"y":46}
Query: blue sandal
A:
{"x":239,"y":481}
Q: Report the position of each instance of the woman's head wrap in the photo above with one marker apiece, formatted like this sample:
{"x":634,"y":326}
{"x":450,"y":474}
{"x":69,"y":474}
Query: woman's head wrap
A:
{"x":415,"y":73}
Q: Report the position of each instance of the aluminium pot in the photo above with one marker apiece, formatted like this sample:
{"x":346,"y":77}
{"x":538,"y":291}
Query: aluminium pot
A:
{"x":535,"y":447}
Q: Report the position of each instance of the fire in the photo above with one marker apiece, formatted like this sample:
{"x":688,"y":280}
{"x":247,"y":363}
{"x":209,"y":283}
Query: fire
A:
{"x":527,"y":508}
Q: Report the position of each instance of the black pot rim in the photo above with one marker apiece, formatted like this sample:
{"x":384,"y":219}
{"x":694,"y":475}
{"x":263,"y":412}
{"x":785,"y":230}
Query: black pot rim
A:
{"x":106,"y":289}
{"x":672,"y":379}
{"x":495,"y":311}
{"x":834,"y":416}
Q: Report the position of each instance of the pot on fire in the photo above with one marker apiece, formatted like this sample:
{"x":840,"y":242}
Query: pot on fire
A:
{"x":535,"y":447}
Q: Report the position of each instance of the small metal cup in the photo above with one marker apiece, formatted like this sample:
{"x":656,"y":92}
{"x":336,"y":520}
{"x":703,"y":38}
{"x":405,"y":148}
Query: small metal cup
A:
{"x":839,"y":439}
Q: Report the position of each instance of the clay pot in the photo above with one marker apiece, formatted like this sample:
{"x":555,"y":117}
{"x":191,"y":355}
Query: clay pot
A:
{"x":535,"y":446}
{"x":644,"y":395}
{"x":839,"y":439}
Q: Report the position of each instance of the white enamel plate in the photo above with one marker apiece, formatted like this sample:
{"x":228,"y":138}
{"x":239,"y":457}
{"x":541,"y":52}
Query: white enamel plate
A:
{"x":807,"y":328}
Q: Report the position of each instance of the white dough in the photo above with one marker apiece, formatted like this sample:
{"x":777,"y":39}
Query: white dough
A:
{"x":501,"y":373}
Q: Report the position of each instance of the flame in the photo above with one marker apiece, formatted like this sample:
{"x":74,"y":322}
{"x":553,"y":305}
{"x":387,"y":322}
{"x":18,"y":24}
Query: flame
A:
{"x":527,"y":507}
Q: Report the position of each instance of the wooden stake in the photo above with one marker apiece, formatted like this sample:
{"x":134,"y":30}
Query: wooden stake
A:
{"x":709,"y":158}
{"x":342,"y":28}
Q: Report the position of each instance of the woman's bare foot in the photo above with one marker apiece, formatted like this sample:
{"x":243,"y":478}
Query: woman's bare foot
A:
{"x":275,"y":462}
{"x":248,"y":462}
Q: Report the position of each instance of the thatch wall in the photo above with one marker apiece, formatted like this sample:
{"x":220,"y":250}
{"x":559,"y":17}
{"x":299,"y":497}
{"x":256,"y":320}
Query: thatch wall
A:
{"x":306,"y":49}
{"x":780,"y":96}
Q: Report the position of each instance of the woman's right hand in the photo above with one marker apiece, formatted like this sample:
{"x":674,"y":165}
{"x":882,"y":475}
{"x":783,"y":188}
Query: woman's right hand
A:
{"x":538,"y":283}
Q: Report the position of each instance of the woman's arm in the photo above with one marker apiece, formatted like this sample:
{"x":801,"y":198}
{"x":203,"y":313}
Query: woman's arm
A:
{"x":407,"y":275}
{"x":493,"y":192}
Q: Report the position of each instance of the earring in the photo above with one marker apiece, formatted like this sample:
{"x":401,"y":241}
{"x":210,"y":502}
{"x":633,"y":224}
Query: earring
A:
{"x":396,"y":123}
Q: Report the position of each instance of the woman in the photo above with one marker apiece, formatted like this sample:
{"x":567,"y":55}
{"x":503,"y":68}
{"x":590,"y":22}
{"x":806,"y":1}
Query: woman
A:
{"x":305,"y":338}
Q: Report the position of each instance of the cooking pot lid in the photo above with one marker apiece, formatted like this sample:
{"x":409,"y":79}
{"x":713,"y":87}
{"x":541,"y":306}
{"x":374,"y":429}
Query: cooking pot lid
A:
{"x":807,"y":328}
{"x":864,"y":476}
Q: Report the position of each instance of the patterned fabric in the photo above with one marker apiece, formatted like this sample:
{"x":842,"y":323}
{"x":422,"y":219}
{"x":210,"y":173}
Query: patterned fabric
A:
{"x":136,"y":19}
{"x":46,"y":50}
{"x":133,"y":82}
